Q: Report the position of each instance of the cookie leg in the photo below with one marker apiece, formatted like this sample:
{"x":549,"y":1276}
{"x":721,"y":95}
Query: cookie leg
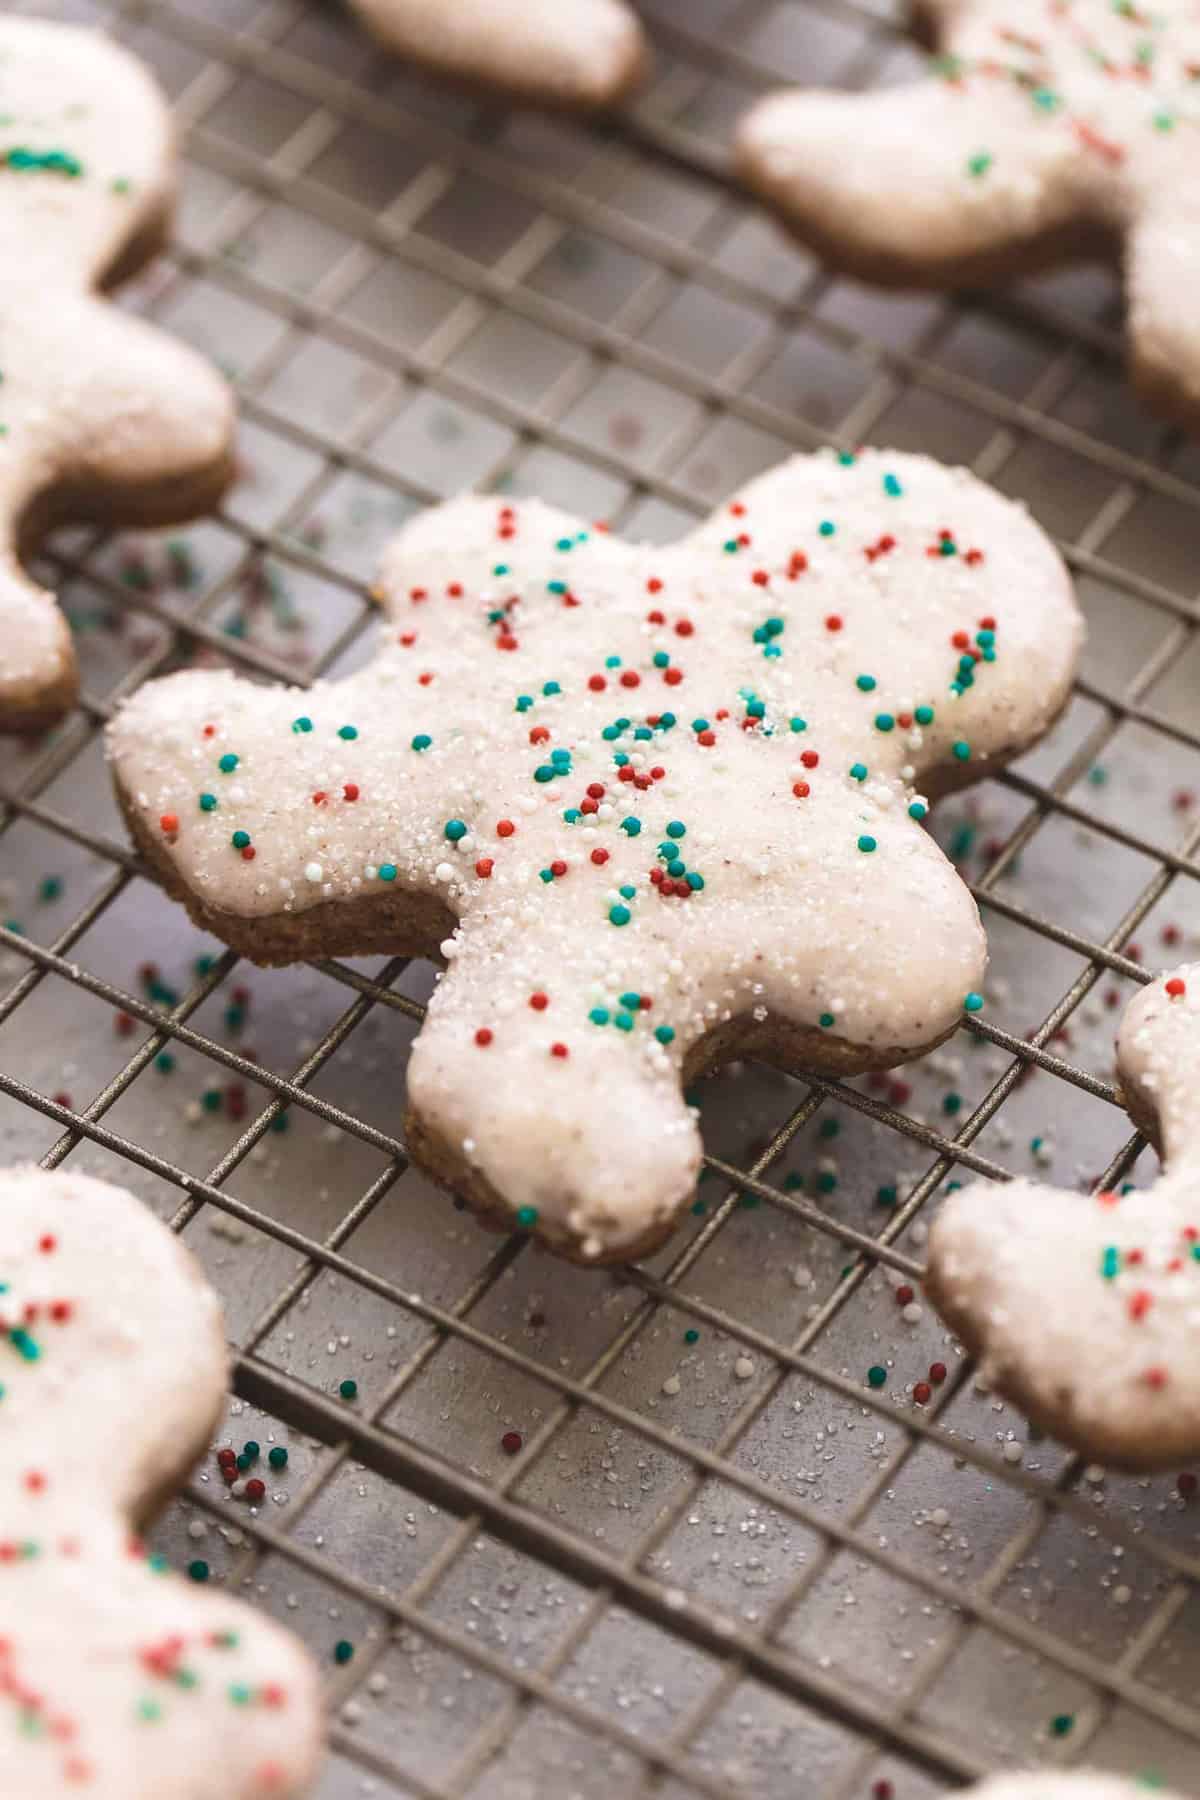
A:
{"x":38,"y":680}
{"x":919,"y":185}
{"x":1163,"y":277}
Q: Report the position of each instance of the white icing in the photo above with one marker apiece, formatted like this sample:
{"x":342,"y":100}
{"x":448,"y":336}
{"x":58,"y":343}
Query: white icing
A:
{"x":794,"y":922}
{"x":1087,"y":114}
{"x":115,"y":1376}
{"x":1104,"y":1360}
{"x":1074,"y":1784}
{"x":567,"y":52}
{"x":92,"y":400}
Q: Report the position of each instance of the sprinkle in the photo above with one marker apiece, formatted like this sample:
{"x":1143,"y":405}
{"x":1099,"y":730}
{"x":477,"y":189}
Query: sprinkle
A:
{"x":343,"y":1651}
{"x":973,"y":1003}
{"x":455,"y":830}
{"x":228,"y":763}
{"x":867,"y":843}
{"x":348,"y":1389}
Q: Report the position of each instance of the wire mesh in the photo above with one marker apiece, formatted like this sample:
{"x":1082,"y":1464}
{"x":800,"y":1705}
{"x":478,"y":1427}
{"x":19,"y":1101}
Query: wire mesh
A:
{"x":651,"y":1533}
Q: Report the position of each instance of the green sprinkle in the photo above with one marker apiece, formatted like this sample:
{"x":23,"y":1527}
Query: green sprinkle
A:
{"x":348,"y":1389}
{"x":198,"y":1570}
{"x":164,"y":1062}
{"x":877,"y":1375}
{"x":826,"y":1020}
{"x":343,"y":1651}
{"x":302,"y":724}
{"x":228,"y":763}
{"x":962,"y":751}
{"x":252,"y":1449}
{"x":666,"y":1035}
{"x":886,"y":1195}
{"x":239,"y":1693}
{"x":422,"y":741}
{"x":50,"y":887}
{"x":952,"y":1104}
{"x":691,"y":1336}
{"x":527,"y":1217}
{"x":551,"y":687}
{"x":277,"y":1457}
{"x":1062,"y":1723}
{"x":980,"y":163}
{"x":149,"y":1710}
{"x":545,"y":772}
{"x":867,"y":843}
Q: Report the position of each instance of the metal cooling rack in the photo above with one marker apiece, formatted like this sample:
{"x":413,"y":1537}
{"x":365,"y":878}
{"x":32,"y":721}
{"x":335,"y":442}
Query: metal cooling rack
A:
{"x":651,"y":1534}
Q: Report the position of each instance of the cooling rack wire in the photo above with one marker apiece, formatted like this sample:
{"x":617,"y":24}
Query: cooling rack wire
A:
{"x":652,"y":1534}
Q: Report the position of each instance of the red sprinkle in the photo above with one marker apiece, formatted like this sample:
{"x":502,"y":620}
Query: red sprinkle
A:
{"x":1176,"y":987}
{"x":922,"y":1393}
{"x":937,"y":1373}
{"x":483,"y":1037}
{"x":559,"y":1050}
{"x":511,"y":1442}
{"x":539,"y":1001}
{"x":255,"y":1491}
{"x":169,"y":823}
{"x":484,"y":867}
{"x":505,"y":828}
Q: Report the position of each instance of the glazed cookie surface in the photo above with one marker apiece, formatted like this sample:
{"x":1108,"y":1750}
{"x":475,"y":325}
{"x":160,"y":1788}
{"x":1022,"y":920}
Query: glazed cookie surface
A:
{"x":121,"y":1679}
{"x":570,"y":53}
{"x":101,"y":415}
{"x":1047,"y":132}
{"x":656,"y":807}
{"x":1083,"y":1309}
{"x":1073,"y":1784}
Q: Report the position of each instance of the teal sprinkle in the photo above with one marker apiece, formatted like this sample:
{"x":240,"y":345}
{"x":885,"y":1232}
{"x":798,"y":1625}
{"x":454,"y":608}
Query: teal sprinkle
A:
{"x":619,"y":915}
{"x":661,"y":659}
{"x":631,"y":1001}
{"x":876,"y":1375}
{"x":455,"y":830}
{"x":422,"y":741}
{"x":387,"y":871}
{"x":524,"y":702}
{"x":755,"y":709}
{"x":917,"y":809}
{"x":665,"y":1033}
{"x":240,"y":840}
{"x":867,"y":842}
{"x":866,"y":682}
{"x":572,"y":815}
{"x":924,"y":715}
{"x":612,"y":662}
{"x":798,"y":724}
{"x":676,"y":830}
{"x":631,"y":826}
{"x":859,"y":771}
{"x":826,"y":528}
{"x":884,"y":722}
{"x":642,"y":734}
{"x":891,"y":486}
{"x":623,"y":1021}
{"x":1110,"y":1262}
{"x":599,"y":1015}
{"x":551,"y":687}
{"x":546,"y":874}
{"x":666,"y":721}
{"x":700,"y":725}
{"x":527,"y":1217}
{"x":349,"y":732}
{"x":228,"y":763}
{"x":973,"y":1003}
{"x":563,"y":544}
{"x":948,"y":547}
{"x":302,"y":724}
{"x":826,"y":1020}
{"x":962,"y":751}
{"x":627,"y":892}
{"x":500,"y":569}
{"x":21,"y":1341}
{"x":557,"y":587}
{"x":676,"y":868}
{"x":561,"y":759}
{"x":695,"y":881}
{"x":545,"y":772}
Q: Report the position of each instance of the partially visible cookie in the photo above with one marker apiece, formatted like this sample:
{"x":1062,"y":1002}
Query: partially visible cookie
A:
{"x":102,"y":416}
{"x":568,"y":53}
{"x":655,"y":808}
{"x":1069,"y":1784}
{"x":122,"y":1681}
{"x":1083,"y":1310}
{"x":1045,"y":133}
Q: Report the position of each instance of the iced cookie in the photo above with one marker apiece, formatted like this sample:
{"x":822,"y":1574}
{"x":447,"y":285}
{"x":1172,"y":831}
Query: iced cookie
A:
{"x":656,"y":807}
{"x":121,"y":1681}
{"x":1083,"y":1309}
{"x":1046,"y":132}
{"x":1073,"y":1784}
{"x":569,"y":53}
{"x":102,"y":416}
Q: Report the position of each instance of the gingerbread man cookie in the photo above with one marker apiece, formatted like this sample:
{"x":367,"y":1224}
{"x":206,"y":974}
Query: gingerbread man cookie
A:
{"x":101,"y":415}
{"x":1072,"y":1784}
{"x":120,"y":1681}
{"x":1083,"y":1310}
{"x":569,"y":53}
{"x":1050,"y":130}
{"x":658,"y":808}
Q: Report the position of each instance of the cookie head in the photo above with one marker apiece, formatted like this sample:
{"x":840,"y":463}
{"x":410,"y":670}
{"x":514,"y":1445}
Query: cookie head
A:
{"x":1083,"y":1308}
{"x":112,"y":1367}
{"x":102,"y":416}
{"x":1044,"y":134}
{"x":654,"y":808}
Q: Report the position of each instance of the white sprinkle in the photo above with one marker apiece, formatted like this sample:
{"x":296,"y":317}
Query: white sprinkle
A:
{"x":743,"y":1368}
{"x":313,"y":872}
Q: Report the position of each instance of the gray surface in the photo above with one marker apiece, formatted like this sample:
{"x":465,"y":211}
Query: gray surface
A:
{"x":414,"y":294}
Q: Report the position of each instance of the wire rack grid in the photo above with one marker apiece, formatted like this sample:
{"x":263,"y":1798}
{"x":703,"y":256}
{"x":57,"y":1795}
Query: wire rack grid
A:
{"x":652,"y":1533}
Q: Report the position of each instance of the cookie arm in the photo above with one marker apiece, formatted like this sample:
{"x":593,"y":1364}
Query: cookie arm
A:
{"x":939,"y":181}
{"x":1163,"y":277}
